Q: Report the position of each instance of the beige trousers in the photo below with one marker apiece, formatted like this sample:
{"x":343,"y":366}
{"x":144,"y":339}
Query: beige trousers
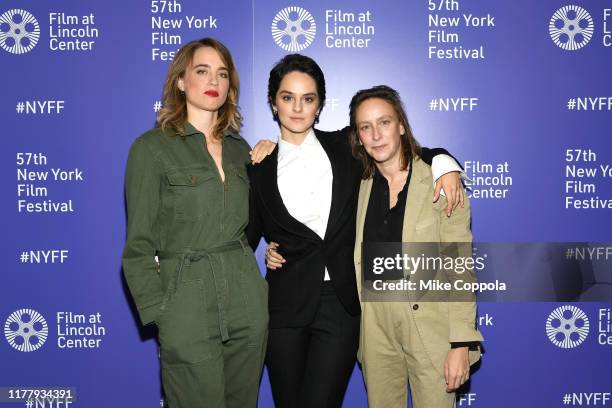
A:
{"x":393,"y":357}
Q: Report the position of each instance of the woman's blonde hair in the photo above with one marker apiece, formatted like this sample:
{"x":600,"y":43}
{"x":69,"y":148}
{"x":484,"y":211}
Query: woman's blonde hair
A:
{"x":174,"y":111}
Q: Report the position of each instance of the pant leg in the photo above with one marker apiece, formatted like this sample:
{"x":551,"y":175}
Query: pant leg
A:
{"x":243,"y":362}
{"x":286,"y":360}
{"x":244,"y":353}
{"x":332,"y":353}
{"x":194,"y":385}
{"x":384,"y":368}
{"x":191,"y":353}
{"x":428,"y":388}
{"x":427,"y":382}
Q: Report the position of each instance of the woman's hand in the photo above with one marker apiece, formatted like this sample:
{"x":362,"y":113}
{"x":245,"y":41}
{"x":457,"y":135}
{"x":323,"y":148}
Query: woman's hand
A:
{"x":274,"y":260}
{"x":451,"y":183}
{"x":456,"y":368}
{"x":262,"y":149}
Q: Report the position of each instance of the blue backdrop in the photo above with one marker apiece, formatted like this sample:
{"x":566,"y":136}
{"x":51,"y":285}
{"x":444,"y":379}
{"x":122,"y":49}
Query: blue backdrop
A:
{"x":519,"y":91}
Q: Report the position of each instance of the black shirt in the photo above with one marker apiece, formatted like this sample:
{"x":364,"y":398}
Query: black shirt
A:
{"x":384,"y":224}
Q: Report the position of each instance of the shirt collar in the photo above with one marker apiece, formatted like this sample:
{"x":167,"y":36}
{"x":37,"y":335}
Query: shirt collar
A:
{"x":285,"y":147}
{"x":189,"y":130}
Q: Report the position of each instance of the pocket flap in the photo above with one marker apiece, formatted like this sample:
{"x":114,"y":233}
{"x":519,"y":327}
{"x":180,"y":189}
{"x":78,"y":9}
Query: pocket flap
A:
{"x":188,"y":177}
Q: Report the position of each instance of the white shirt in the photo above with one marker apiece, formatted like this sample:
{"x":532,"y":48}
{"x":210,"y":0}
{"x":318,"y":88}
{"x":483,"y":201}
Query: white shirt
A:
{"x":305,"y":177}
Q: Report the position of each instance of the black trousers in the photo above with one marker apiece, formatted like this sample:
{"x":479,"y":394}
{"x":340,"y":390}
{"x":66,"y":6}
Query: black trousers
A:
{"x":311,"y":366}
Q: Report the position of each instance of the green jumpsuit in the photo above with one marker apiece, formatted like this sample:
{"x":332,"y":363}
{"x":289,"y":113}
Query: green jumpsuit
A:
{"x":206,"y":295}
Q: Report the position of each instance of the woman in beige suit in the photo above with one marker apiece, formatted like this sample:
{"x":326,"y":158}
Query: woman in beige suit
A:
{"x":428,"y":345}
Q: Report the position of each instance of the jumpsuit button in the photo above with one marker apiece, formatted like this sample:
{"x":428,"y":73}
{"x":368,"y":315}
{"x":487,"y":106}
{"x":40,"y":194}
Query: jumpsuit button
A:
{"x":415,"y":307}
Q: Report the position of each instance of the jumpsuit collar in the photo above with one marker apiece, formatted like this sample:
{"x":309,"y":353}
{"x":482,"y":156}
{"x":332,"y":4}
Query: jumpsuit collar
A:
{"x":191,"y":130}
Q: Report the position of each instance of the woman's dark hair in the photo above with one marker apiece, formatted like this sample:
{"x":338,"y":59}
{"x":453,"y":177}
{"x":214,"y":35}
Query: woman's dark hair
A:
{"x":410,"y":147}
{"x":295,"y":62}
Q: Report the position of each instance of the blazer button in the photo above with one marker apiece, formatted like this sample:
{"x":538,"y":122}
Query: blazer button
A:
{"x":415,"y":307}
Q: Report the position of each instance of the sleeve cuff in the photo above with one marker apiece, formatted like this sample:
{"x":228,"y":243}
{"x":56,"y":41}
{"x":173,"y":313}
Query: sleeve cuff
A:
{"x":149,"y":314}
{"x":442,"y":164}
{"x":471,"y":345}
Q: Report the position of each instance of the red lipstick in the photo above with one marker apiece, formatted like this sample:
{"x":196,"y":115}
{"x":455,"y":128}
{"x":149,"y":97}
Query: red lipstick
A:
{"x":212,"y":93}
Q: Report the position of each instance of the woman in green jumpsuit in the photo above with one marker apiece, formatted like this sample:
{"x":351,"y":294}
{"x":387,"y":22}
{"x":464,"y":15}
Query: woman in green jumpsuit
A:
{"x":187,"y":203}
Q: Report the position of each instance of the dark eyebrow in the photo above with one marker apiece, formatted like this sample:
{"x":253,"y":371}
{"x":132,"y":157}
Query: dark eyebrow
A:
{"x":291,"y":93}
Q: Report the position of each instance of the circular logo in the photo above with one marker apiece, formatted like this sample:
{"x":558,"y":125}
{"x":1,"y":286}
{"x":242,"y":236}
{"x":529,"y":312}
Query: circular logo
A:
{"x":19,"y":31}
{"x":26,"y":330}
{"x":567,"y":326}
{"x":293,"y":29}
{"x":571,"y":27}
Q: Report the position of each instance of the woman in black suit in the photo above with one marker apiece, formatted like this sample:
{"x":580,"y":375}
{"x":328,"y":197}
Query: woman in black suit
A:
{"x":303,"y":197}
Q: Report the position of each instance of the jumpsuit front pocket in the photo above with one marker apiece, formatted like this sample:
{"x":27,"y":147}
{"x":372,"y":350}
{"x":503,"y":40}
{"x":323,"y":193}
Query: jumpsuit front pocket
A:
{"x":183,"y":330}
{"x":256,"y":290}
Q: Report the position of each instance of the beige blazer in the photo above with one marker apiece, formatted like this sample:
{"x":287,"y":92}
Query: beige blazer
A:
{"x":439,"y":323}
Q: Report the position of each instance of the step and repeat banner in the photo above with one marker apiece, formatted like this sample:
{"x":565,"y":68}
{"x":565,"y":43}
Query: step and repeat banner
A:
{"x":520,"y":92}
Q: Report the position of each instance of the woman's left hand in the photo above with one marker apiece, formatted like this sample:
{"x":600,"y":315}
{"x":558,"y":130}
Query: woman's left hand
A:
{"x":262,"y":149}
{"x":456,"y":368}
{"x":451,"y":183}
{"x":274,"y":260}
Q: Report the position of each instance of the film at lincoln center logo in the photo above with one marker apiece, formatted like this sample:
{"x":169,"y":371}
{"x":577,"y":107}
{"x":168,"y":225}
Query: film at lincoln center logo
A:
{"x":567,"y":326}
{"x":571,"y":27}
{"x":19,"y":31}
{"x":293,"y":29}
{"x":26,"y":330}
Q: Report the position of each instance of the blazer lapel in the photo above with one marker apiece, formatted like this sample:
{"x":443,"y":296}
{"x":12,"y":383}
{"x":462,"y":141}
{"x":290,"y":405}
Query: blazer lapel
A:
{"x":339,"y":183}
{"x":267,"y":182}
{"x":418,"y":187}
{"x":417,"y":195}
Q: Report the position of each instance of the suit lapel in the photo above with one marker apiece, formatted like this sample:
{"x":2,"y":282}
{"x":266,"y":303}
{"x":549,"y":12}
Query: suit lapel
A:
{"x":267,"y":182}
{"x":417,"y":195}
{"x":339,"y":183}
{"x":419,"y":186}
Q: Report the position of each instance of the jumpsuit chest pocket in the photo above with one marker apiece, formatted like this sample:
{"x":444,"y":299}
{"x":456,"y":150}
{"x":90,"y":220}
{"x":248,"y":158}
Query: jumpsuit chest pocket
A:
{"x":192,"y":191}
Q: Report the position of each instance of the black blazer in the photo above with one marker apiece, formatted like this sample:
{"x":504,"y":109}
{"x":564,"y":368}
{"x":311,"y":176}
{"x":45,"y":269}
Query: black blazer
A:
{"x":295,"y":289}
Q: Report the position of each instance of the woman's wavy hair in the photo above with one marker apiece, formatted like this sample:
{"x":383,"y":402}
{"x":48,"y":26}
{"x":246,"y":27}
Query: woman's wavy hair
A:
{"x":410,"y":147}
{"x":174,"y":111}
